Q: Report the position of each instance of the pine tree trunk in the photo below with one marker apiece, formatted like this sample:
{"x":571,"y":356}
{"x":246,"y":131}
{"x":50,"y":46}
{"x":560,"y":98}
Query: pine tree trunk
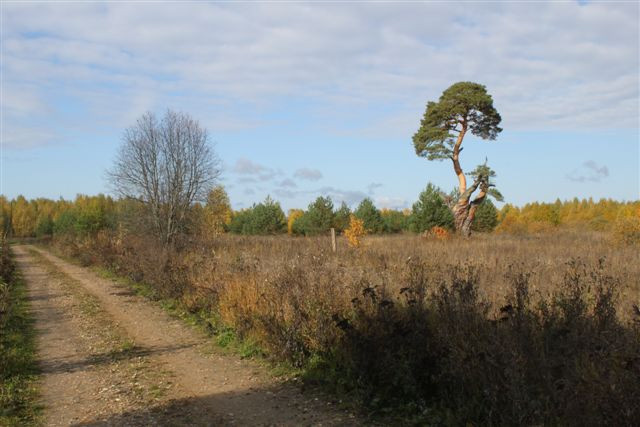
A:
{"x":466,"y":225}
{"x":460,"y":213}
{"x":471,"y":207}
{"x":462,"y":209}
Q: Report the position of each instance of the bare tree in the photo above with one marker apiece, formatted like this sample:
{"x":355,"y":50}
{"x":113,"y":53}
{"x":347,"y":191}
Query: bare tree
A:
{"x":166,"y":165}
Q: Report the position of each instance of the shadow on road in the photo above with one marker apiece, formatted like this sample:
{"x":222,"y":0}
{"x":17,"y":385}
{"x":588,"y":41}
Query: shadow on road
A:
{"x":252,"y":407}
{"x":64,"y":365}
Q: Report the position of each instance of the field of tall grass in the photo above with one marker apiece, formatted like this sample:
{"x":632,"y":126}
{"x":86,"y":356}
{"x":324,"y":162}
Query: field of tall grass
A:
{"x":496,"y":329}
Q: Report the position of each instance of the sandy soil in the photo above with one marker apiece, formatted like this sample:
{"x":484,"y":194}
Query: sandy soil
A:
{"x":110,"y":357}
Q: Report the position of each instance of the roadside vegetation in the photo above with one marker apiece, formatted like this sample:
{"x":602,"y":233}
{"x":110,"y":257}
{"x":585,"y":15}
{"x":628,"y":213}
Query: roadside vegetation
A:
{"x":18,"y":372}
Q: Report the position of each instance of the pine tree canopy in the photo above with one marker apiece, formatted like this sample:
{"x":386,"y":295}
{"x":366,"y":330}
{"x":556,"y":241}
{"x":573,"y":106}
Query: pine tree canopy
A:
{"x":464,"y":106}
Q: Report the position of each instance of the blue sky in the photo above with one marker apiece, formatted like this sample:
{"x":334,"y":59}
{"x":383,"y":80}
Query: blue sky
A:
{"x":322,"y":98}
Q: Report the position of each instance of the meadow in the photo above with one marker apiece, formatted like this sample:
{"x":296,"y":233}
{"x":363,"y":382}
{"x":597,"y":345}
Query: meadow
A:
{"x":496,"y":329}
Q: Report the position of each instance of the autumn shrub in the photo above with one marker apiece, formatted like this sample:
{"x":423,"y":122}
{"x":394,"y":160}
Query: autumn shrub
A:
{"x":554,"y":363}
{"x":386,"y":353}
{"x":626,"y":229}
{"x":436,"y":349}
{"x":7,"y":267}
{"x":294,"y":215}
{"x":355,"y":232}
{"x":438,"y":233}
{"x":534,"y":227}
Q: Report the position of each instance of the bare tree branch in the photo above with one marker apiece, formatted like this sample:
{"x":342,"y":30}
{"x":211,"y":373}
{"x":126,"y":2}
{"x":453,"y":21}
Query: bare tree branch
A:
{"x":168,"y":165}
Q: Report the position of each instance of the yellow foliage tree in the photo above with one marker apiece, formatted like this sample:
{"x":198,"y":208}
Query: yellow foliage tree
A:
{"x":511,"y":220}
{"x":23,"y":218}
{"x":626,"y":229}
{"x":605,"y":214}
{"x":294,"y":214}
{"x":355,"y":231}
{"x":217,"y":211}
{"x":5,"y":216}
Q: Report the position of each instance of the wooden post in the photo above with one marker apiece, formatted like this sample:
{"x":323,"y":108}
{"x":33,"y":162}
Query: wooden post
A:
{"x":333,"y":240}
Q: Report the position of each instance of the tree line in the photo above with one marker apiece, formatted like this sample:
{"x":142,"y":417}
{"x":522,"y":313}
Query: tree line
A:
{"x":88,"y":215}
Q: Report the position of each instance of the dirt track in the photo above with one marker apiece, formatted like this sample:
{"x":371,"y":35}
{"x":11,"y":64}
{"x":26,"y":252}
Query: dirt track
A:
{"x":112,"y":358}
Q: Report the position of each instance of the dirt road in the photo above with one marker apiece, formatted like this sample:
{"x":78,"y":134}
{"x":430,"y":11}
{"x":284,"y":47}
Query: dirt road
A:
{"x":110,"y":357}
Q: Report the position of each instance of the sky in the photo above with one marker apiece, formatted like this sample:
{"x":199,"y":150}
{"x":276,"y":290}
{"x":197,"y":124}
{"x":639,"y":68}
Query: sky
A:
{"x":303,"y":99}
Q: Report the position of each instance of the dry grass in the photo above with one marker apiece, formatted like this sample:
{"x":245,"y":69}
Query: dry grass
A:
{"x":496,"y":329}
{"x":382,"y":261}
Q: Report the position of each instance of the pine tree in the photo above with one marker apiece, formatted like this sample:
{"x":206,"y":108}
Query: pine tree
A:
{"x":430,"y":211}
{"x":463,"y":107}
{"x":370,"y":215}
{"x":318,"y":218}
{"x":486,"y":218}
{"x":342,"y":217}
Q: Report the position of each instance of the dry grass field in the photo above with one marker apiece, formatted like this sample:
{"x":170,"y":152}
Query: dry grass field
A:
{"x":496,"y":329}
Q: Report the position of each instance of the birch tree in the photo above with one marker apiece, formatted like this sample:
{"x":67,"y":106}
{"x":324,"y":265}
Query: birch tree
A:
{"x":166,"y":165}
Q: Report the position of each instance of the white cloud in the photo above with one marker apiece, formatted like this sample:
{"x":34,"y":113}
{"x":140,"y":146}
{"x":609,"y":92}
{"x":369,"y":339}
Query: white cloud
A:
{"x":548,"y":65}
{"x":15,"y":137}
{"x":247,"y":167}
{"x":350,"y":197}
{"x":288,"y":183}
{"x":384,"y":202}
{"x":308,"y":174}
{"x":371,"y":188}
{"x":247,"y":180}
{"x":590,"y":171}
{"x":285,"y":194}
{"x":253,"y":171}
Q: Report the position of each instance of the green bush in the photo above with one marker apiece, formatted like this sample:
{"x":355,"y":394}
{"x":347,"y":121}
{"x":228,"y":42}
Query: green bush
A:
{"x":65,"y":223}
{"x":371,"y":216}
{"x":430,"y":211}
{"x":238,"y":220}
{"x":264,"y":218}
{"x":44,"y":226}
{"x":318,"y":218}
{"x":341,"y":218}
{"x":395,"y":221}
{"x":486,"y":218}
